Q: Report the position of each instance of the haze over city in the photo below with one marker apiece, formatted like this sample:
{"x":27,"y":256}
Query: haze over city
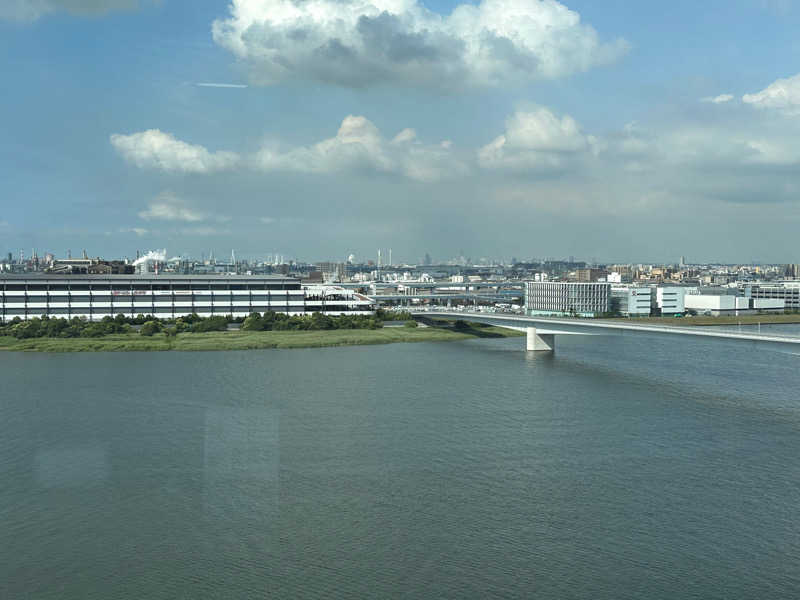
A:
{"x":617,"y":131}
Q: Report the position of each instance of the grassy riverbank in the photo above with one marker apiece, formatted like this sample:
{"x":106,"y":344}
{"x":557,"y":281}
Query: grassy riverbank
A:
{"x":249,"y":340}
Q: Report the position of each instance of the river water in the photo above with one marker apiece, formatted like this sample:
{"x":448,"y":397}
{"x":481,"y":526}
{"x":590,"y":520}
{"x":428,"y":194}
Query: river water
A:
{"x":619,"y":467}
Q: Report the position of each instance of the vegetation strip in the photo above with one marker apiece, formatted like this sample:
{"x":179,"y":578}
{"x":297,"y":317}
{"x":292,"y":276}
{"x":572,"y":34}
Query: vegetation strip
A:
{"x":250,"y":340}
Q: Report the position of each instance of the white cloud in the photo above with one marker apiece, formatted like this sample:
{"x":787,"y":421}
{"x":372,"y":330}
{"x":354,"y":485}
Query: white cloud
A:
{"x":538,"y":140}
{"x":267,"y":220}
{"x":363,"y":42}
{"x":203,"y":230}
{"x":721,"y":99}
{"x":154,"y":149}
{"x":139,"y":231}
{"x":359,"y":146}
{"x":30,"y":10}
{"x":782,"y":94}
{"x":169,"y":207}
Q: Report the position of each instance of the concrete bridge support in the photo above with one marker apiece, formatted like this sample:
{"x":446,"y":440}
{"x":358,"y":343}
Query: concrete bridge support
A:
{"x":545,"y":342}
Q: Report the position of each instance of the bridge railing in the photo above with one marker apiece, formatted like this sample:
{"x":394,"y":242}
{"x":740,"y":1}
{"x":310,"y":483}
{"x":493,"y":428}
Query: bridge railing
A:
{"x":698,"y":330}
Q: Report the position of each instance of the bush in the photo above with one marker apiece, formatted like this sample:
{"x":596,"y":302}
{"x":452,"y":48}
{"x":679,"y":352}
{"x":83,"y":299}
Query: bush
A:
{"x":210,"y":324}
{"x":411,"y":324}
{"x":93,"y":330}
{"x":150,"y":328}
{"x":253,"y":322}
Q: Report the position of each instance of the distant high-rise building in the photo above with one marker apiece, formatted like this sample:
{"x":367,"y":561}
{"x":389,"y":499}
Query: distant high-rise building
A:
{"x":428,"y":260}
{"x":587,"y":275}
{"x":792,"y":271}
{"x":683,"y":261}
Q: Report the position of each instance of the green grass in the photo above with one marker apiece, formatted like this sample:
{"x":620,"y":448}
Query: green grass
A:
{"x":250,"y":340}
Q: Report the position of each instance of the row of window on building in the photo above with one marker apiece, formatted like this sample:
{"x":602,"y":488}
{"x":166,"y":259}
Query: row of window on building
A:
{"x":594,"y":299}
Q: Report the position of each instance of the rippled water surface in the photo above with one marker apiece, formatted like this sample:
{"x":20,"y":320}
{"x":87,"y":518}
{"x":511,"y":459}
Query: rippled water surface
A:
{"x":620,"y":467}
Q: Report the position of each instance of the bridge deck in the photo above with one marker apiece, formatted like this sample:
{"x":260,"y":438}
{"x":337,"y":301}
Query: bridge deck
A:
{"x":546,"y":325}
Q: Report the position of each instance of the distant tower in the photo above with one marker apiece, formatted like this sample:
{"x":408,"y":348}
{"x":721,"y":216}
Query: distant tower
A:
{"x":683,"y":261}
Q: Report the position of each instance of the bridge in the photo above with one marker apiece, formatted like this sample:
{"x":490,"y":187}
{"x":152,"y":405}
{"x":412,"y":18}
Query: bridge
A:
{"x":541,"y":331}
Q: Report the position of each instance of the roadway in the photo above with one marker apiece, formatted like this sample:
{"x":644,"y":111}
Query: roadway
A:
{"x":559,"y":326}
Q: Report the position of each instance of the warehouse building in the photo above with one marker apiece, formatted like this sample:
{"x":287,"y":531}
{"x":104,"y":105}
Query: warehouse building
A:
{"x":96,"y":296}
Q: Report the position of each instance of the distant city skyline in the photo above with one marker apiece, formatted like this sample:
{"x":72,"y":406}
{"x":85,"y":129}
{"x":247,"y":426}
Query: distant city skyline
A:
{"x":223,"y":256}
{"x":623,"y":131}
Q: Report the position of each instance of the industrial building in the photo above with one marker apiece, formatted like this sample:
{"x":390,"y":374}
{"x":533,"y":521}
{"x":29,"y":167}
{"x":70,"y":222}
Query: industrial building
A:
{"x":670,"y":300}
{"x":788,"y":291}
{"x":632,"y":301}
{"x":96,"y":296}
{"x":727,"y":304}
{"x":567,"y":298}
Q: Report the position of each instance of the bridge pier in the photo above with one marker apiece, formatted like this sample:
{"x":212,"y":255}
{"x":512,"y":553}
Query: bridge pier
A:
{"x":535,"y":342}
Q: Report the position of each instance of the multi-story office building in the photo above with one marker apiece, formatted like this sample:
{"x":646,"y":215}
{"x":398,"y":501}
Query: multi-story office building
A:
{"x":96,"y":296}
{"x":670,"y":300}
{"x":788,"y":291}
{"x":632,"y":301}
{"x":567,"y":298}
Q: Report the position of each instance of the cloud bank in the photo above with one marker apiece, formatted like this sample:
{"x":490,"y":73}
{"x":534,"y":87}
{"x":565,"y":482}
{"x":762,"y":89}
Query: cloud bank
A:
{"x":357,"y":147}
{"x":536,"y":140}
{"x":359,"y":43}
{"x":782,"y":94}
{"x":154,"y":149}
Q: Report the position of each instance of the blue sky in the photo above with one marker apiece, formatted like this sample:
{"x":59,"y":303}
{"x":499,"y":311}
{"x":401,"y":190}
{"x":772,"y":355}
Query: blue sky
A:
{"x":535,"y":135}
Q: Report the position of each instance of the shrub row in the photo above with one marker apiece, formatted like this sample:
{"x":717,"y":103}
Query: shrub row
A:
{"x":150,"y":325}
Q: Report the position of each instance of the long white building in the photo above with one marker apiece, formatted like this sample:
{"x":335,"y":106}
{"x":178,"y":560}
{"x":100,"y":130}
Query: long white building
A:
{"x":716,"y":305}
{"x":567,"y":298}
{"x":167,"y":296}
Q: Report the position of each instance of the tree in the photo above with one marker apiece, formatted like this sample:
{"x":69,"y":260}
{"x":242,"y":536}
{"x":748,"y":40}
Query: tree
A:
{"x":150,"y":328}
{"x":253,"y":322}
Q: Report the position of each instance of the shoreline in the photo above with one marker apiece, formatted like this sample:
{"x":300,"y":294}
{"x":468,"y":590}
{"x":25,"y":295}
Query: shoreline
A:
{"x":251,"y":340}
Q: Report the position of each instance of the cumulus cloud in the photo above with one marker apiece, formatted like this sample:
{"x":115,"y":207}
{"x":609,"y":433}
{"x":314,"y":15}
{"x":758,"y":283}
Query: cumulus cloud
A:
{"x":359,"y":43}
{"x":154,"y":149}
{"x":721,"y":99}
{"x":169,"y":207}
{"x":537,"y":140}
{"x":782,"y":94}
{"x":359,"y":146}
{"x":30,"y":10}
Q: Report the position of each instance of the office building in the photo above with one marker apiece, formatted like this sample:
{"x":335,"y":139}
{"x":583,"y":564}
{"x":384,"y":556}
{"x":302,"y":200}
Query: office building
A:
{"x":632,"y":301}
{"x":567,"y":298}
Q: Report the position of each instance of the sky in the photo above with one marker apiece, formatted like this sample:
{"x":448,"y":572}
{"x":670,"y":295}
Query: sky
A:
{"x":610,"y":131}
